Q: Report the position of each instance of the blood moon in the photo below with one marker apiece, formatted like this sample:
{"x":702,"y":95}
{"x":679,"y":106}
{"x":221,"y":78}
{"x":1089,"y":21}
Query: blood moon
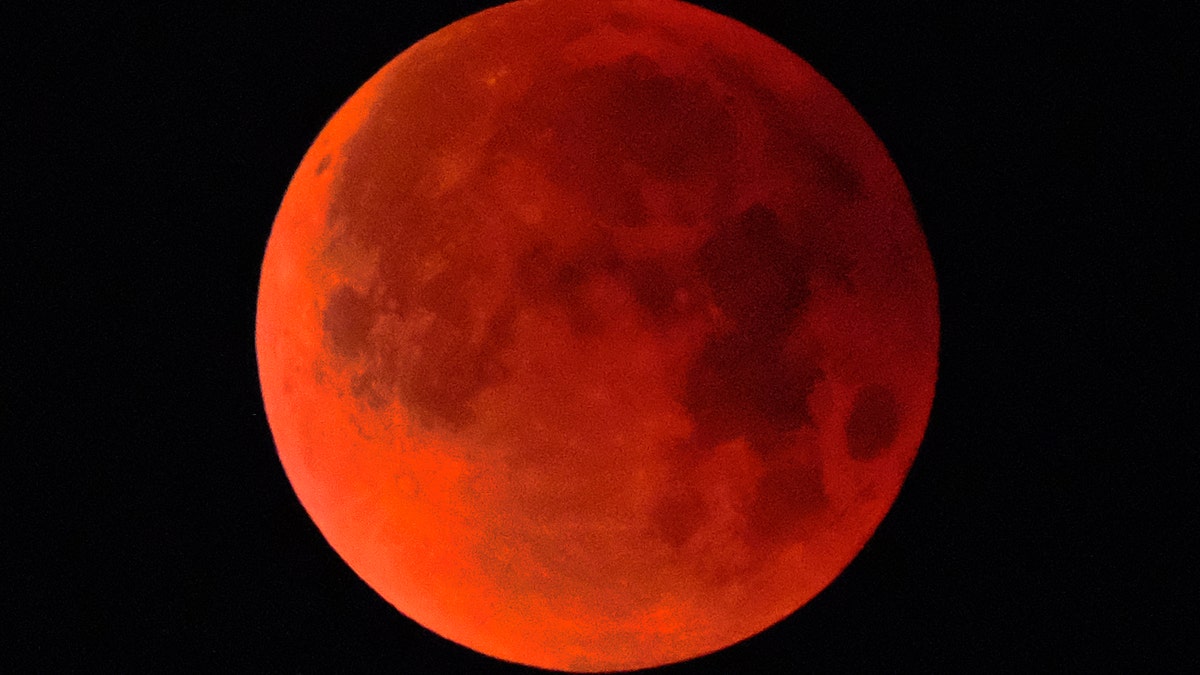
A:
{"x":597,"y":335}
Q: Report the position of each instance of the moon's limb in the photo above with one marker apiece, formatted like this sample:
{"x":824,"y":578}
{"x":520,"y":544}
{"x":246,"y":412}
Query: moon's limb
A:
{"x":597,"y":335}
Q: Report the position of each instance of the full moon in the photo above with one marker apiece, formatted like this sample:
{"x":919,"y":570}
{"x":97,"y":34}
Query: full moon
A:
{"x":597,"y":334}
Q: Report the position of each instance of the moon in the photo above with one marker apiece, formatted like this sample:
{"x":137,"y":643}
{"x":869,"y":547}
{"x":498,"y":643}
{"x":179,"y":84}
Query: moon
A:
{"x":597,"y":335}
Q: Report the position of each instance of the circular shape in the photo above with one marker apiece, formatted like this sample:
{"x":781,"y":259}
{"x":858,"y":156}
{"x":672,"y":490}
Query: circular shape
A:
{"x":597,"y":334}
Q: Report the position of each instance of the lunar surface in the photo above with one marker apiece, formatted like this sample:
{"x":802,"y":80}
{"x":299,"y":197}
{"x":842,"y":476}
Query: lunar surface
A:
{"x":597,"y":335}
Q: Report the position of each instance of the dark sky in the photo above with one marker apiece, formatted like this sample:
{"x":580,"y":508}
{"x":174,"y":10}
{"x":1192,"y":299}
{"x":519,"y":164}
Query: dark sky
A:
{"x":1042,"y":524}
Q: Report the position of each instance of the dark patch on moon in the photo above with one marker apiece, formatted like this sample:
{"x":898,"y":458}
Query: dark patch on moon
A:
{"x":543,"y":279}
{"x":873,"y":423}
{"x":757,"y":280}
{"x":347,"y":320}
{"x":626,"y":121}
{"x":836,"y":173}
{"x":790,"y":500}
{"x":439,"y":380}
{"x":742,"y":382}
{"x":323,"y":164}
{"x":624,"y":22}
{"x":792,"y":145}
{"x":674,"y":127}
{"x":678,"y":515}
{"x":741,"y":388}
{"x":540,"y":279}
{"x":451,"y":370}
{"x":363,"y":388}
{"x":652,"y":287}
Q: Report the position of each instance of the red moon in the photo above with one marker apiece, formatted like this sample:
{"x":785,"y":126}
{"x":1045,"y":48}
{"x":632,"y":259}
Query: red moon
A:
{"x":597,"y":335}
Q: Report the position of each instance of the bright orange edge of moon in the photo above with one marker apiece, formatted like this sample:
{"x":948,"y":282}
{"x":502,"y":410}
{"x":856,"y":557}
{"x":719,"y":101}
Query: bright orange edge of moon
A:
{"x":597,"y":335}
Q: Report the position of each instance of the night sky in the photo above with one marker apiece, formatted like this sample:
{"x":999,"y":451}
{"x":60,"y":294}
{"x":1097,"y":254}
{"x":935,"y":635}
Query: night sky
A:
{"x":1042,"y":525}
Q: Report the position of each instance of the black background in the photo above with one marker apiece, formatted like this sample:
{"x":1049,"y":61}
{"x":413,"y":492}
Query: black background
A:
{"x":1043,"y":523}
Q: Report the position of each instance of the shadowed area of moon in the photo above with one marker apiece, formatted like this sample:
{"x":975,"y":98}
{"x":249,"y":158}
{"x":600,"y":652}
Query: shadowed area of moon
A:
{"x":873,"y":422}
{"x":597,"y":335}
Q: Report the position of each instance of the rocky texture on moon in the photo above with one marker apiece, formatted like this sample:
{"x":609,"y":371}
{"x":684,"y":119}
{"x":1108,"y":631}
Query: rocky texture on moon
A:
{"x":619,"y":323}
